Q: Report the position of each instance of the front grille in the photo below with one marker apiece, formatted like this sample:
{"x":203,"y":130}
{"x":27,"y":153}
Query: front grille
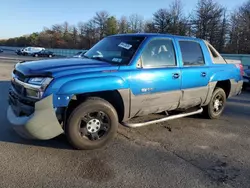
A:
{"x":18,"y":91}
{"x":18,"y":88}
{"x":21,"y":107}
{"x":25,"y":101}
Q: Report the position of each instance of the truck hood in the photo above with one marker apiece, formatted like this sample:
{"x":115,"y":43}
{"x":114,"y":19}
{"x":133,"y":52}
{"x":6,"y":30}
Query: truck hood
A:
{"x":56,"y":67}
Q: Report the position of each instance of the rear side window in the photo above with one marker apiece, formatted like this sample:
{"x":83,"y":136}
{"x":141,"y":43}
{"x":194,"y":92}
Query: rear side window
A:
{"x":192,"y":54}
{"x":212,"y":52}
{"x":216,"y":57}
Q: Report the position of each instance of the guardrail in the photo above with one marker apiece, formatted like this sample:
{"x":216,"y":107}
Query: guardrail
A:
{"x":244,"y":58}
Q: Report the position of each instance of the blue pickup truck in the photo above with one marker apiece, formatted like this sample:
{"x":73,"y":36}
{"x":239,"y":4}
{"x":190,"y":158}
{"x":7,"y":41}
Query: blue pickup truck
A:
{"x":121,"y":78}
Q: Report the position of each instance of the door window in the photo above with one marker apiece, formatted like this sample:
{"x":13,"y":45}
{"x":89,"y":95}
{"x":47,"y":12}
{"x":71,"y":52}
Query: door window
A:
{"x":191,"y":53}
{"x":159,"y":53}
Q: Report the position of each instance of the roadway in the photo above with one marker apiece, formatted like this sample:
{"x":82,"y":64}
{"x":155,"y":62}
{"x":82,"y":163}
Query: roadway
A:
{"x":189,"y":152}
{"x":11,"y":55}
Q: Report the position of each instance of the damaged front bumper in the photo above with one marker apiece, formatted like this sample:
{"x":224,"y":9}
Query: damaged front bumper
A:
{"x":42,"y":124}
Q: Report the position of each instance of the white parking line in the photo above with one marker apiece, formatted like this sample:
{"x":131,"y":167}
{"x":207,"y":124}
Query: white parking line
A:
{"x":14,"y":58}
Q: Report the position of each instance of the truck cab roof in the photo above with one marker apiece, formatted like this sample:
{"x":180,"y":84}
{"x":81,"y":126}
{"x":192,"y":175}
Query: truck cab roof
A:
{"x":151,"y":35}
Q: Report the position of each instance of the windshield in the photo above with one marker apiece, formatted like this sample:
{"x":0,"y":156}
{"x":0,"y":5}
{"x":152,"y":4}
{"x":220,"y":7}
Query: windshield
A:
{"x":115,"y":49}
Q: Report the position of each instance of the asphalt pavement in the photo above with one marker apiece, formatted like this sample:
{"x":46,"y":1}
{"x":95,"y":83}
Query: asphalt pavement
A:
{"x":189,"y":152}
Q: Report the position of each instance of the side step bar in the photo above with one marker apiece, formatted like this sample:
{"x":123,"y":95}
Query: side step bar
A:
{"x":134,"y":125}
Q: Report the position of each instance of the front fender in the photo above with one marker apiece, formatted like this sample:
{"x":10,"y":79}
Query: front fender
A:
{"x":85,"y":85}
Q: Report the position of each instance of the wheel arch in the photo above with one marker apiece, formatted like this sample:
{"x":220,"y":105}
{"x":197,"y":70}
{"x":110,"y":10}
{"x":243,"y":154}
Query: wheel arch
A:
{"x":117,"y":98}
{"x":223,"y":84}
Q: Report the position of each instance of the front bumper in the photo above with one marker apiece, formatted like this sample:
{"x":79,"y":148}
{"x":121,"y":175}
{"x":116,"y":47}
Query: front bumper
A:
{"x":42,"y":124}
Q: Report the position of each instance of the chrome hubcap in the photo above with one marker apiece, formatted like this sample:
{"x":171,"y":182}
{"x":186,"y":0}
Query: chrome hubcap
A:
{"x":216,"y":104}
{"x":93,"y":125}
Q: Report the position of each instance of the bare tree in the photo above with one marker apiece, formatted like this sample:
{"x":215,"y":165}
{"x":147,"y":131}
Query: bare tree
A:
{"x":223,"y":35}
{"x":161,"y":20}
{"x":209,"y":22}
{"x":75,"y":36}
{"x":171,"y":20}
{"x":81,"y":28}
{"x":100,"y":19}
{"x":176,"y":16}
{"x":150,"y":27}
{"x":65,"y":28}
{"x":90,"y":32}
{"x":240,"y":30}
{"x":123,"y":25}
{"x":136,"y":24}
{"x":57,"y":28}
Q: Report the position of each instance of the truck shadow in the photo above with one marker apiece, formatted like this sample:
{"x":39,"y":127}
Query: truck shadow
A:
{"x":7,"y":134}
{"x":236,"y":107}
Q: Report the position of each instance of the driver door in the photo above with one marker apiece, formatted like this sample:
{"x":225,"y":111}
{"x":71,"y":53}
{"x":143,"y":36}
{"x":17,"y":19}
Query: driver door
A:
{"x":155,"y":87}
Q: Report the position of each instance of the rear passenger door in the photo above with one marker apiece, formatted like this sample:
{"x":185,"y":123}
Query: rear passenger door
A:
{"x":194,"y":73}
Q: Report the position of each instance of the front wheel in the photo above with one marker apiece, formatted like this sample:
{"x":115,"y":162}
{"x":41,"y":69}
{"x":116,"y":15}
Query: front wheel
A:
{"x":216,"y":105}
{"x":92,"y":124}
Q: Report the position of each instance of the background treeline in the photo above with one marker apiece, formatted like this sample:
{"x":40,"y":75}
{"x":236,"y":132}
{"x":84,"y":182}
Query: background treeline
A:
{"x":227,"y":30}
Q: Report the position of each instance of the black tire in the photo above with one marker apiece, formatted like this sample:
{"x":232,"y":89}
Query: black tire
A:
{"x":244,"y":87}
{"x":74,"y":127}
{"x":210,"y":111}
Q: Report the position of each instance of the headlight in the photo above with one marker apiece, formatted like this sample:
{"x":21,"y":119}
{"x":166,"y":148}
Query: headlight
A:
{"x":36,"y":93}
{"x":41,"y":81}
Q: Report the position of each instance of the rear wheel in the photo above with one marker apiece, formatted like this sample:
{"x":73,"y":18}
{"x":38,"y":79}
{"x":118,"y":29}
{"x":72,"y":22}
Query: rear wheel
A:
{"x":92,"y":124}
{"x":216,"y":105}
{"x":50,"y":55}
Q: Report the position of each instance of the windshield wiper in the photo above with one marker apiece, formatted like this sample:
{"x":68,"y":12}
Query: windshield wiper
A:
{"x":98,"y":58}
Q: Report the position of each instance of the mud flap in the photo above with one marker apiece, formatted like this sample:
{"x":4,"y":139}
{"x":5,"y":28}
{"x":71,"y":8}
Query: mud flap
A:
{"x":236,"y":88}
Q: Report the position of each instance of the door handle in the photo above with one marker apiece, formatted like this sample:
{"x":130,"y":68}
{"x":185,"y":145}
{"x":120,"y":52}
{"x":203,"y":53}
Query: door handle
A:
{"x":176,"y":75}
{"x":203,"y":74}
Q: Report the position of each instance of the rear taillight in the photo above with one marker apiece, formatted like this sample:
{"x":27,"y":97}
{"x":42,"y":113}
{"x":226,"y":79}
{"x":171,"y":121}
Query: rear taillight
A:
{"x":240,"y":66}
